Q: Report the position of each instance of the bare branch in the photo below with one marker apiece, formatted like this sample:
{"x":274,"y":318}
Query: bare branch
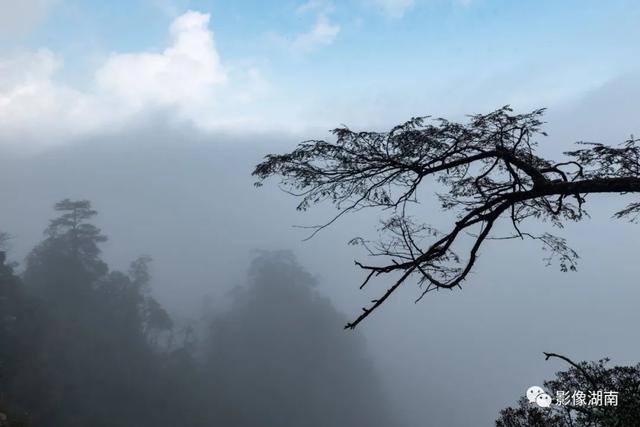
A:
{"x":488,"y":168}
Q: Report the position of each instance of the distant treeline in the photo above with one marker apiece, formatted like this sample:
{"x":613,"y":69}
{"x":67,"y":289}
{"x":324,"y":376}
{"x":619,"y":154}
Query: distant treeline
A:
{"x":83,"y":345}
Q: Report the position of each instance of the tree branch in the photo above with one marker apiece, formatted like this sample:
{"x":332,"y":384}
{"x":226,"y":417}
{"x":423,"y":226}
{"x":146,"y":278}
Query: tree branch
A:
{"x":487,"y":166}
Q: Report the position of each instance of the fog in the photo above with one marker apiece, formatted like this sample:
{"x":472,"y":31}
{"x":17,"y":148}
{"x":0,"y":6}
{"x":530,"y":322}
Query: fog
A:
{"x":185,"y":197}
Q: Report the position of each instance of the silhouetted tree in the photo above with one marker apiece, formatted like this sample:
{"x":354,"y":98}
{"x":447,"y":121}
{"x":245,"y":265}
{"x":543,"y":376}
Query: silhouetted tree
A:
{"x":22,"y":322}
{"x":84,"y":345}
{"x":94,"y":360}
{"x":279,"y":359}
{"x":483,"y":170}
{"x":67,"y":264}
{"x":583,"y":377}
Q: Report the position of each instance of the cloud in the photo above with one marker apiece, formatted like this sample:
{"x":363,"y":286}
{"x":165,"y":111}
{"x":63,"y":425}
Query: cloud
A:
{"x":31,"y":101}
{"x":397,"y":8}
{"x":322,"y":33}
{"x":184,"y":73}
{"x":187,"y":78}
{"x":18,"y":18}
{"x":393,"y":8}
{"x":322,"y":6}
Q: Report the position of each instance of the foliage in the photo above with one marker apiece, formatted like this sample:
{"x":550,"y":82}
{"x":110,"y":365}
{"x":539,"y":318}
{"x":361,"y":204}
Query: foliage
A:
{"x":85,"y":345}
{"x":483,"y":170}
{"x":76,"y":344}
{"x":582,"y":377}
{"x":280,"y":351}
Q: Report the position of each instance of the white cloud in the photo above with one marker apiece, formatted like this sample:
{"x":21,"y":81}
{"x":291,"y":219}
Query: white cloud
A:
{"x":322,"y":33}
{"x":20,"y":69}
{"x":19,"y":17}
{"x":315,"y":5}
{"x":182,"y":74}
{"x":394,"y":8}
{"x":30,"y":101}
{"x":397,"y":8}
{"x":188,"y":77}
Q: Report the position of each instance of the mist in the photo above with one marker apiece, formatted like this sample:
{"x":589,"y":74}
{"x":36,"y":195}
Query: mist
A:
{"x":146,"y":280}
{"x":186,"y":199}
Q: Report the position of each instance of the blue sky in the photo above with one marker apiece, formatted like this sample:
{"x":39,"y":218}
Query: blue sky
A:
{"x":293,"y":65}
